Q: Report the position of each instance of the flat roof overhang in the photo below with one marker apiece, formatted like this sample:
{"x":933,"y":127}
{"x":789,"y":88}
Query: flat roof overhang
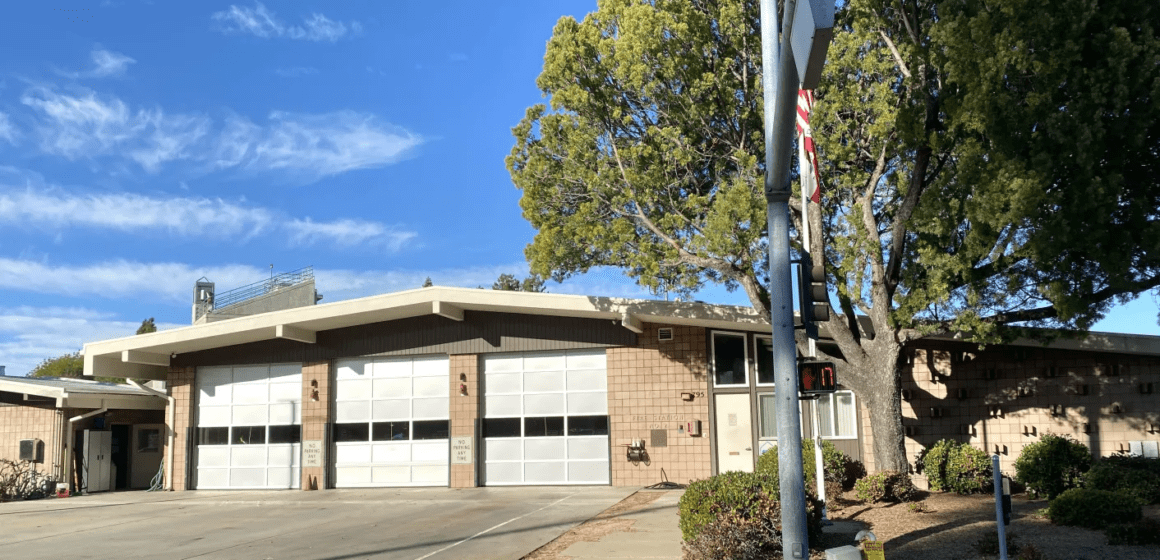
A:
{"x":147,"y":356}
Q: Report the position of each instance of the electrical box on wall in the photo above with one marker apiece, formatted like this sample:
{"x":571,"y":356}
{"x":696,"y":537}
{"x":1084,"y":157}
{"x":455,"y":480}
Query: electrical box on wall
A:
{"x":32,"y":450}
{"x":694,"y":427}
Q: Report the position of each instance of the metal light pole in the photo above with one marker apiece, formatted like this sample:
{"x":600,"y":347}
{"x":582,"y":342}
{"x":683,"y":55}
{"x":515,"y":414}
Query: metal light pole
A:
{"x":779,"y":73}
{"x":781,"y":77}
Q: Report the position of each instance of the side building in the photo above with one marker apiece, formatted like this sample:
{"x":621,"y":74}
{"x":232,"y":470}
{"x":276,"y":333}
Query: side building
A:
{"x":463,"y":387}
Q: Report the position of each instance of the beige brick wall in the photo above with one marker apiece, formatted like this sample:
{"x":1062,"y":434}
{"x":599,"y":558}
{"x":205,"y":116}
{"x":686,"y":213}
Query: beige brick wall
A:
{"x":315,"y":414}
{"x":19,"y":422}
{"x":644,"y":393}
{"x":1013,"y":409}
{"x":181,"y":386}
{"x":464,"y":411}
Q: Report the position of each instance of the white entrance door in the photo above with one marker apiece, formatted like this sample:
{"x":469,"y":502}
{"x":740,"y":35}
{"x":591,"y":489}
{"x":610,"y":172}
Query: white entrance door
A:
{"x":545,"y":418}
{"x":249,"y":421}
{"x":392,"y":422}
{"x":734,"y":433}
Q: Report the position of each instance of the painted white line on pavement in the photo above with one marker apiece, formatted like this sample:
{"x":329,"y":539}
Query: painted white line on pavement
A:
{"x":485,"y":531}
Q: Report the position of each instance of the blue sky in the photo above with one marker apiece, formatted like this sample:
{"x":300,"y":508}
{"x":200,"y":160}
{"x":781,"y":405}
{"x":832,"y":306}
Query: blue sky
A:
{"x":145,"y":145}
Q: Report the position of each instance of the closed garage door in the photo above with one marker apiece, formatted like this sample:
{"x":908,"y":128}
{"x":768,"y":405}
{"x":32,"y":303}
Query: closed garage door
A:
{"x":546,"y":418}
{"x":249,"y":421}
{"x":392,"y":422}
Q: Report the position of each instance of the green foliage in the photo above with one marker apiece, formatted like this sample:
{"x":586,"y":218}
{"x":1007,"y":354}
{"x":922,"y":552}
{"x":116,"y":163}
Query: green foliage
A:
{"x":1135,"y":476}
{"x":743,"y":494}
{"x":1053,"y":464}
{"x":704,"y":500}
{"x":838,"y":466}
{"x":1093,"y":509}
{"x":956,"y":467}
{"x":68,"y":365}
{"x":428,"y":283}
{"x":886,"y":486}
{"x":147,"y":326}
{"x":736,"y":536}
{"x":1146,"y":531}
{"x":508,"y":282}
{"x":968,"y":471}
{"x":932,"y":462}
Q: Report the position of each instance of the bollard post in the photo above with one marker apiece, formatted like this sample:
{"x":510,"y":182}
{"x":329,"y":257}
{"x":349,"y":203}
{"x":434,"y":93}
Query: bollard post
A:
{"x":998,"y":476}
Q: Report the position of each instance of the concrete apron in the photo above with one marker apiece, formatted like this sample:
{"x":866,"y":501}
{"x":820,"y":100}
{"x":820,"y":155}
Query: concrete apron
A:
{"x":411,"y":524}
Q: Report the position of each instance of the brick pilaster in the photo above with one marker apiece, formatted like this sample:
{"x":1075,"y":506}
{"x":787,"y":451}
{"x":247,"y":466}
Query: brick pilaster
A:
{"x":181,"y":385}
{"x":464,"y":410}
{"x":315,"y":415}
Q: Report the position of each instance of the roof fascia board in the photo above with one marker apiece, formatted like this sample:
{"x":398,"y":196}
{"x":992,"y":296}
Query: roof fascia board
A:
{"x":30,"y":389}
{"x":126,"y":402}
{"x":112,"y":366}
{"x":144,"y":358}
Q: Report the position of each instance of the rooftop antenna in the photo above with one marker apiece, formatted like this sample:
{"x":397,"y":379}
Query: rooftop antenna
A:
{"x":271,"y":271}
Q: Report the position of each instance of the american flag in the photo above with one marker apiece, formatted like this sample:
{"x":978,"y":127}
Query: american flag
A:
{"x":811,"y":181}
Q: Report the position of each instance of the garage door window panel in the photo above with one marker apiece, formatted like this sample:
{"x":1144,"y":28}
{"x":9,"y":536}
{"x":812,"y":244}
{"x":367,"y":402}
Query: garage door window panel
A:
{"x":430,"y":429}
{"x":285,"y":434}
{"x":501,"y":428}
{"x":391,"y":431}
{"x":352,"y":432}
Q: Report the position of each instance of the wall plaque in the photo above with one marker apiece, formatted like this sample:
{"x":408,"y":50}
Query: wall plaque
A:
{"x":461,"y":453}
{"x":312,"y":453}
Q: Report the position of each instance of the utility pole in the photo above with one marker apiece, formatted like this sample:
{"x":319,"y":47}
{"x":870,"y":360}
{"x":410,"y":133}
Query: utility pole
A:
{"x":781,"y":78}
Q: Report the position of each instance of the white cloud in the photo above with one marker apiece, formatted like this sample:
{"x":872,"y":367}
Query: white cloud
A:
{"x":260,"y":22}
{"x":347,"y":232}
{"x":86,"y":126}
{"x":41,"y":206}
{"x":109,"y":63}
{"x":330,"y":144}
{"x":29,"y":335}
{"x":7,"y":129}
{"x":296,"y":71}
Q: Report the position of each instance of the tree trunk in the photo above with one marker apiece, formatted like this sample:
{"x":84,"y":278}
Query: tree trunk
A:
{"x":883,"y":396}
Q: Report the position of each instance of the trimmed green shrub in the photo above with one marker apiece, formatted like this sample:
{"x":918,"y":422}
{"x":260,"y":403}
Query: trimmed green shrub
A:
{"x":1143,"y":532}
{"x":1137,"y":476}
{"x":951,"y":466}
{"x":1092,"y":509}
{"x":837,"y":465}
{"x":1052,"y":465}
{"x":886,"y":486}
{"x":745,"y":495}
{"x":932,"y":462}
{"x":968,"y":471}
{"x":738,"y":537}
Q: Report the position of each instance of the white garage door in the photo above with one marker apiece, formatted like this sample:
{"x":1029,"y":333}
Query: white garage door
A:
{"x":546,"y":418}
{"x":249,"y":421}
{"x":392,"y":422}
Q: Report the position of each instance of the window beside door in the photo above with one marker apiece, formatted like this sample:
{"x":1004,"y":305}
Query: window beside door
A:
{"x":837,"y":415}
{"x":730,"y":361}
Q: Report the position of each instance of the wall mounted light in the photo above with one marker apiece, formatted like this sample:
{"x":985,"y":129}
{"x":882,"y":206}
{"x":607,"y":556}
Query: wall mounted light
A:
{"x":463,"y":389}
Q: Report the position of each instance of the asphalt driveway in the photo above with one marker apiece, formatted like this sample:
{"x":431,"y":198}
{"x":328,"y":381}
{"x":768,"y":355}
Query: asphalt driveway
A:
{"x":411,"y":524}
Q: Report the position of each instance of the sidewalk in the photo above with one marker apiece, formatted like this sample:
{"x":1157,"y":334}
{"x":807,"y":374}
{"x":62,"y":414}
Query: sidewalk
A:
{"x":644,"y":525}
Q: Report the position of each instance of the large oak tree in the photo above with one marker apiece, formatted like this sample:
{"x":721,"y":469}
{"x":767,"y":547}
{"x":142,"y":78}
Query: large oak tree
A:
{"x":985,"y":165}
